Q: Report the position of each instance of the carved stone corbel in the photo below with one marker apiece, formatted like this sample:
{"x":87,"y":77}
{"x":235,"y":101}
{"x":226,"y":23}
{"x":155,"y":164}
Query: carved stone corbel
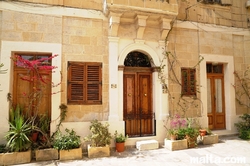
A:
{"x":140,"y":25}
{"x":165,"y":26}
{"x":114,"y":22}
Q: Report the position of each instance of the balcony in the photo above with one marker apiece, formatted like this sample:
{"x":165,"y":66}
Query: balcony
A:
{"x":156,"y":14}
{"x":153,"y":6}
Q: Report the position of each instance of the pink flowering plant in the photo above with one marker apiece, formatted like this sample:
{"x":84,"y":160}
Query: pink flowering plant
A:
{"x":37,"y":73}
{"x":40,"y":68}
{"x":177,"y":124}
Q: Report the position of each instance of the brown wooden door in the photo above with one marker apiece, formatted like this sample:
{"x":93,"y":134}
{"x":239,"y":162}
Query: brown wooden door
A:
{"x":23,"y":89}
{"x":32,"y":85}
{"x":216,"y":103}
{"x":138,"y":114}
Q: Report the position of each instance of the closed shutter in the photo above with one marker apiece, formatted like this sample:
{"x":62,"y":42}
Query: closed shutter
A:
{"x":184,"y":79}
{"x":188,"y":81}
{"x":84,"y":83}
{"x":192,"y":82}
{"x":94,"y":83}
{"x":76,"y":82}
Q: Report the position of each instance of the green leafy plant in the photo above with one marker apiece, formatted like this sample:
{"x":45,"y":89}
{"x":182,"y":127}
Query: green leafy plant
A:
{"x":181,"y":134}
{"x":192,"y":132}
{"x":119,"y":138}
{"x":244,"y":127}
{"x":177,"y":126}
{"x":209,"y":132}
{"x":17,"y":136}
{"x":67,"y":141}
{"x":99,"y":134}
{"x":44,"y":123}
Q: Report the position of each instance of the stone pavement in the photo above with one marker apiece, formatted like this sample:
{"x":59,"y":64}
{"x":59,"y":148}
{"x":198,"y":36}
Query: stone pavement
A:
{"x":230,"y":151}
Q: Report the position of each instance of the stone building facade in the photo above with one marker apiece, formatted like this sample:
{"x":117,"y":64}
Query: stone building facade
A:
{"x":198,"y":34}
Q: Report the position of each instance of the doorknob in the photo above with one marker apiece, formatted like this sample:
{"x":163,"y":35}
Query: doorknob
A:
{"x":129,"y":94}
{"x":145,"y":94}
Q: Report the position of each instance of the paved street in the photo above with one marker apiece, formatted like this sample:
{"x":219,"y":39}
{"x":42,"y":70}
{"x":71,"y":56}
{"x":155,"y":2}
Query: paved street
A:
{"x":230,"y":151}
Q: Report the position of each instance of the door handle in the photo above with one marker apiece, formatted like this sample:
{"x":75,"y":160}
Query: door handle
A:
{"x":145,"y":94}
{"x":129,"y":94}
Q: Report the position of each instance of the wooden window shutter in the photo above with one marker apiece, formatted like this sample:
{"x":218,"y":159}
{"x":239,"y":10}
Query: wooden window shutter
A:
{"x":188,"y":81}
{"x":75,"y":82}
{"x":184,"y":80}
{"x":94,"y":83}
{"x":192,"y":82}
{"x":84,"y":83}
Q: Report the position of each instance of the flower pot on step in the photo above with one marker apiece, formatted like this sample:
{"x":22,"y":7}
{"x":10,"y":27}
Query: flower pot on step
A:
{"x":210,"y":139}
{"x":120,"y":146}
{"x":72,"y":154}
{"x":94,"y":152}
{"x":46,"y":154}
{"x":175,"y":144}
{"x":15,"y":158}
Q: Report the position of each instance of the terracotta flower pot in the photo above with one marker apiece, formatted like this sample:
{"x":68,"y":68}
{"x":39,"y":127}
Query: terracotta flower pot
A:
{"x":34,"y":136}
{"x":120,"y":146}
{"x":191,"y":141}
{"x":202,"y":132}
{"x":173,"y":137}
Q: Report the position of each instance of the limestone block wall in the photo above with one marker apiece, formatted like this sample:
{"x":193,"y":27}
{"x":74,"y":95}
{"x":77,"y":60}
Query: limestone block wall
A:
{"x":18,"y":26}
{"x":184,"y":53}
{"x":170,"y":6}
{"x":241,"y":57}
{"x":89,"y":4}
{"x":234,"y":15}
{"x":85,"y":40}
{"x":81,"y":39}
{"x":189,"y":44}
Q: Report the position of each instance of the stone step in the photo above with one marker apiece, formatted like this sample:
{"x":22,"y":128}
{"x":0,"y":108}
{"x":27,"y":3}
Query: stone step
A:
{"x":147,"y":145}
{"x":225,"y":133}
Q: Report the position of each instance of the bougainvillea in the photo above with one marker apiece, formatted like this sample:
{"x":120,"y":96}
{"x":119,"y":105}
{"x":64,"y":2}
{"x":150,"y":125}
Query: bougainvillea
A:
{"x":39,"y":68}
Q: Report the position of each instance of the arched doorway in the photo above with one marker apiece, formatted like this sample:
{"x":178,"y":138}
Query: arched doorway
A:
{"x":137,"y":95}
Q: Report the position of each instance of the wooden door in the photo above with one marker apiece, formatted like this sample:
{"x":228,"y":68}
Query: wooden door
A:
{"x":216,"y":103}
{"x":23,"y":90}
{"x":32,"y":88}
{"x":138,"y":114}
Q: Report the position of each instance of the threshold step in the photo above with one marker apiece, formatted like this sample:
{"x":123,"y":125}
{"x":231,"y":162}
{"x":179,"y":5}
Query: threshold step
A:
{"x":147,"y":145}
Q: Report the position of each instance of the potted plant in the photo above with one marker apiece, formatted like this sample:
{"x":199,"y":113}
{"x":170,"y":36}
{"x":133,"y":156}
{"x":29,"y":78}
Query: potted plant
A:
{"x":209,"y":138}
{"x":243,"y":126}
{"x":191,"y":136}
{"x":68,"y":144}
{"x":43,"y":147}
{"x":45,"y":150}
{"x":120,"y":141}
{"x":18,"y":142}
{"x":176,"y":133}
{"x":44,"y":126}
{"x":173,"y":134}
{"x":203,"y":132}
{"x":99,"y":138}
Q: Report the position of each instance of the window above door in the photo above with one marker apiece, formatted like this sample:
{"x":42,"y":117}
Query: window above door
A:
{"x":137,"y":59}
{"x":214,"y":68}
